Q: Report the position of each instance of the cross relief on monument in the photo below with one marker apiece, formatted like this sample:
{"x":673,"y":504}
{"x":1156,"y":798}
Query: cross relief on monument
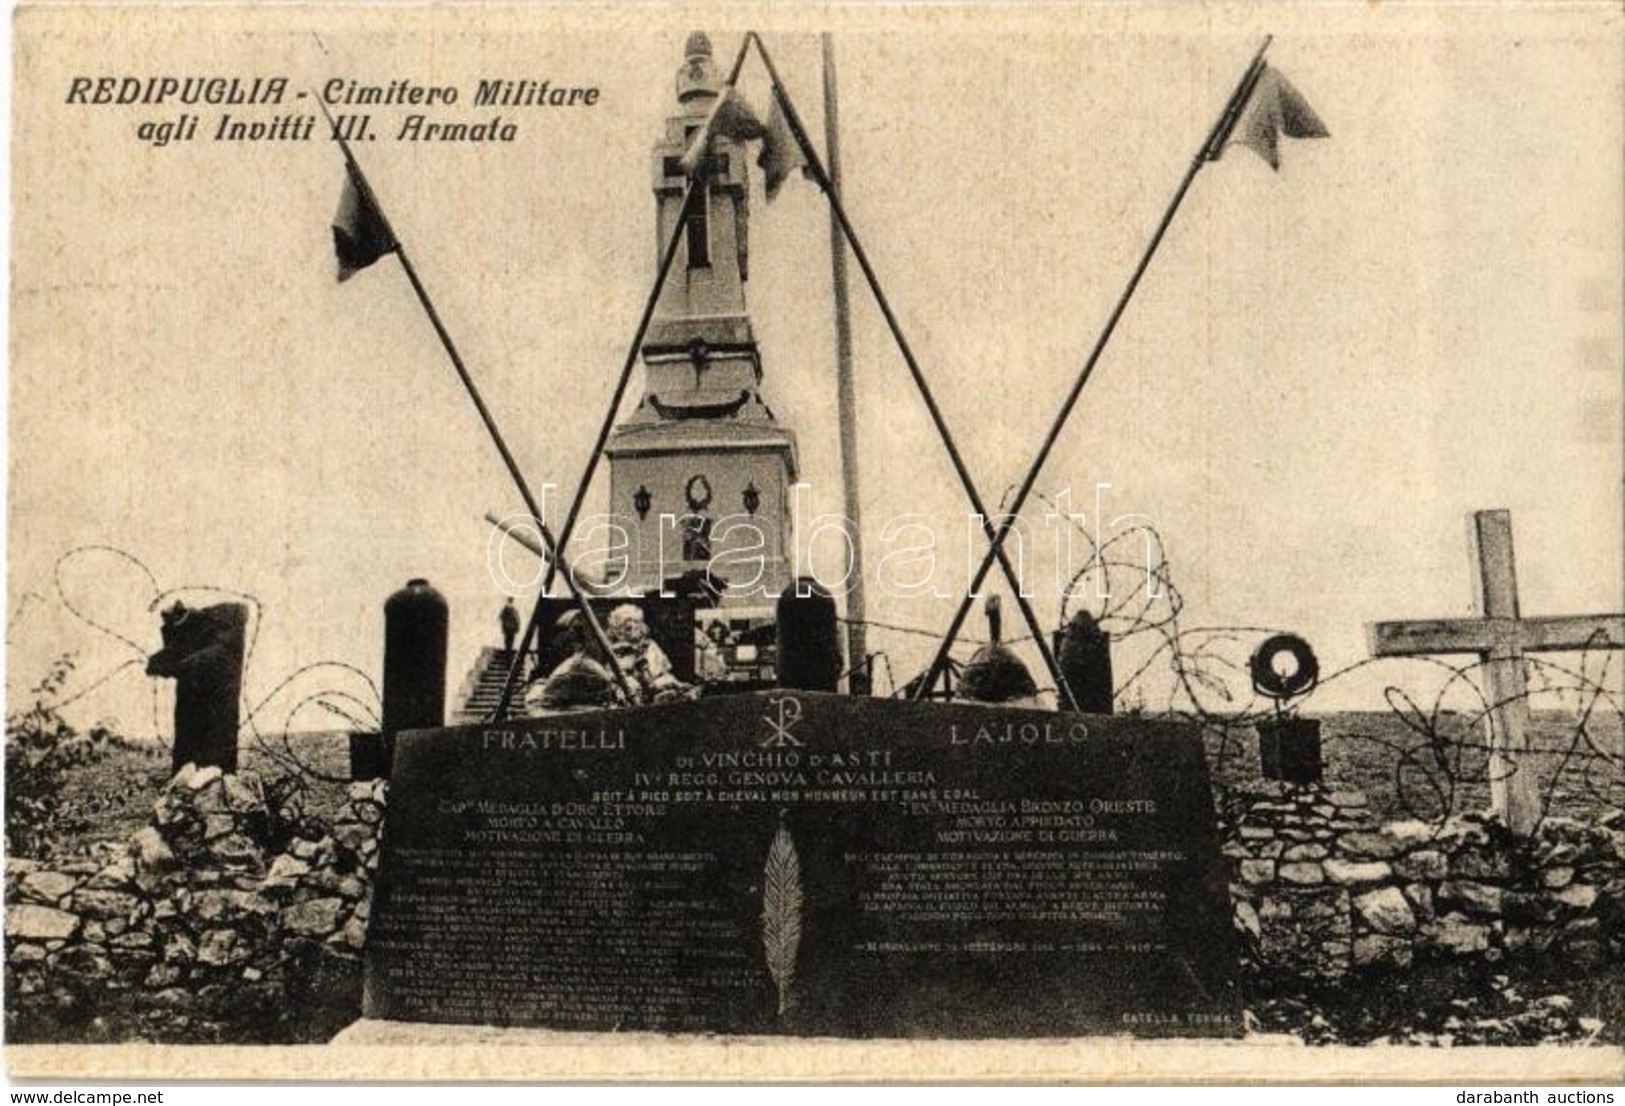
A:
{"x":715,"y":167}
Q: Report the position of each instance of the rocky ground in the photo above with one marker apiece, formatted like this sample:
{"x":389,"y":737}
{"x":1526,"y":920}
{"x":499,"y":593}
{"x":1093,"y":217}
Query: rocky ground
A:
{"x":232,"y":915}
{"x":1442,"y":1008}
{"x":1430,"y":771}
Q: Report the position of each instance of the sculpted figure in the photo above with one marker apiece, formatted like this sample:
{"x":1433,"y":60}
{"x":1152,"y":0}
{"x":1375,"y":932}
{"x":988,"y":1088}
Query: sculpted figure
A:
{"x":641,"y":657}
{"x":583,"y":681}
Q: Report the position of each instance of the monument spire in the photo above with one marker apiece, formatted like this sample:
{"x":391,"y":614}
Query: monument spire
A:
{"x":702,"y":444}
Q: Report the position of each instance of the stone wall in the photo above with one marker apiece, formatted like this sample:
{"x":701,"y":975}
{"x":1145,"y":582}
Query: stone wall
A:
{"x":1322,"y":890}
{"x":232,"y":916}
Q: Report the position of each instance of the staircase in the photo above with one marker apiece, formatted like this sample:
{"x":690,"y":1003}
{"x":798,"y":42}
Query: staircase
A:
{"x":482,"y":687}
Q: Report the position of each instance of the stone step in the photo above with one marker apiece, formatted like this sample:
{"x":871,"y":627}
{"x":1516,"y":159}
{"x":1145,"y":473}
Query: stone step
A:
{"x":481,"y":690}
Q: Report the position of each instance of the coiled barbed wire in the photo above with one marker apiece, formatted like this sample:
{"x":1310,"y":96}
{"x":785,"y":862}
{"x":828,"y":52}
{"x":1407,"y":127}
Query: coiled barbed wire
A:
{"x":1128,"y":586}
{"x":359,"y":711}
{"x":1201,"y":670}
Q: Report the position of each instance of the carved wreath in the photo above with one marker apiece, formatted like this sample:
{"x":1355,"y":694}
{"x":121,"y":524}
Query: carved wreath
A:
{"x":698,"y":493}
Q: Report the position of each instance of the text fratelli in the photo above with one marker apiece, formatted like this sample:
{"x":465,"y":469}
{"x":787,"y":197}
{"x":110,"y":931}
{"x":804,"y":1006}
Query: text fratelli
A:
{"x":551,"y":740}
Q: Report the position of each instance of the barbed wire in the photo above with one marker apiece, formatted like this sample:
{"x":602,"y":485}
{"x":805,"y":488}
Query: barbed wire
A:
{"x":358,"y":711}
{"x":1127,"y":584}
{"x":1443,"y":753}
{"x":922,"y":632}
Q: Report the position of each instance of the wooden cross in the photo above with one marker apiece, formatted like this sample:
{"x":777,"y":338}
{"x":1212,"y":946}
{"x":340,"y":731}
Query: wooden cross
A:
{"x":1501,"y":638}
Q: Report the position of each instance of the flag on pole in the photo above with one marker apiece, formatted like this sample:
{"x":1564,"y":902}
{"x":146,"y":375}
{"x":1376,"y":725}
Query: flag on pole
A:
{"x":781,"y":154}
{"x":1273,"y":109}
{"x":361,"y":234}
{"x":730,"y":118}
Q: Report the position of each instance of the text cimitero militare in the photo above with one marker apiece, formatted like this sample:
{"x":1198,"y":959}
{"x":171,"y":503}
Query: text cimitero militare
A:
{"x":278,"y":109}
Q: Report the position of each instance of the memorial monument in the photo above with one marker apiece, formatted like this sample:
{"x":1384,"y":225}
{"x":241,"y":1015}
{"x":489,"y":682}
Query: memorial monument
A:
{"x":781,"y":861}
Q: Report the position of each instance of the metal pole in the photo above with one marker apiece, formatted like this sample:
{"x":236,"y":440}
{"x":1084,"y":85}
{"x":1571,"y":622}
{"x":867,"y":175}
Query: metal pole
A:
{"x":821,"y":177}
{"x":857,"y":634}
{"x":479,"y":403}
{"x":1207,"y":152}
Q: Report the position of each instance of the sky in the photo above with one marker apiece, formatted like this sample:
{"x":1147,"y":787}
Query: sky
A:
{"x":1323,"y":372}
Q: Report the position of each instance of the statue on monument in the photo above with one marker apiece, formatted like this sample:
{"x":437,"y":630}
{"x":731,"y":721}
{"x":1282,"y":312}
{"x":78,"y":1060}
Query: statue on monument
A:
{"x":583,"y":681}
{"x":642,"y":658}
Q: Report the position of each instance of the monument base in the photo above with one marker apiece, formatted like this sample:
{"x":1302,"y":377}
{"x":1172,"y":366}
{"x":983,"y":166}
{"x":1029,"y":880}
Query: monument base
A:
{"x":380,"y":1032}
{"x":806,"y":865}
{"x":419,"y":1050}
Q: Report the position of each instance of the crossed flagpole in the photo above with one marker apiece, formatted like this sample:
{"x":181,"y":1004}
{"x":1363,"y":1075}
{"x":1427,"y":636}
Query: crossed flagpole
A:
{"x":362,"y":235}
{"x":1263,"y":107}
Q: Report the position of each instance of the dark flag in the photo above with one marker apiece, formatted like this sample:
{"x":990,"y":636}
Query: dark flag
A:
{"x":1273,"y":109}
{"x":361,"y":234}
{"x":781,"y":154}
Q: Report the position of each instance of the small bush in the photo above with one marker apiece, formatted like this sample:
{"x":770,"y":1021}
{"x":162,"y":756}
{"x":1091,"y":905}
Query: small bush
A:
{"x":41,"y":749}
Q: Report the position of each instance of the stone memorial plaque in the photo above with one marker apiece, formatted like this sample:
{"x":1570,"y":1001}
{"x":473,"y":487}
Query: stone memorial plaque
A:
{"x":806,"y":864}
